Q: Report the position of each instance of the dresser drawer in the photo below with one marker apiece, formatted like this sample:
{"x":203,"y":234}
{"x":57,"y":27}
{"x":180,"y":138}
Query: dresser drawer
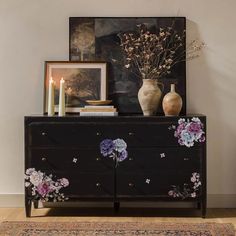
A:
{"x":147,"y":135}
{"x":68,"y":134}
{"x":157,"y":185}
{"x":70,"y":160}
{"x":91,"y":134}
{"x":82,"y":185}
{"x":90,"y":185}
{"x":152,"y":134}
{"x":161,"y":158}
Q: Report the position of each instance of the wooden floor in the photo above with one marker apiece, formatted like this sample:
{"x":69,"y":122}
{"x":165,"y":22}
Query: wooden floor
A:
{"x":48,"y":215}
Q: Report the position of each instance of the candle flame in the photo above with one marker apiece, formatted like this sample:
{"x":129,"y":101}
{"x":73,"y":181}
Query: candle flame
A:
{"x":51,"y":81}
{"x":62,"y":80}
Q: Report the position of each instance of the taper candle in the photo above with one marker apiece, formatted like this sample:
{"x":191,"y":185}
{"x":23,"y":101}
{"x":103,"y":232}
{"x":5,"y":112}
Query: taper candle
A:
{"x":51,"y":111}
{"x":62,"y":98}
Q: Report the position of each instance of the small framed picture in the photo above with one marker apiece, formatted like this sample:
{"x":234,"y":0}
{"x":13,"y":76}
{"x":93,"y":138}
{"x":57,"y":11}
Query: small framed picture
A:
{"x":83,"y":81}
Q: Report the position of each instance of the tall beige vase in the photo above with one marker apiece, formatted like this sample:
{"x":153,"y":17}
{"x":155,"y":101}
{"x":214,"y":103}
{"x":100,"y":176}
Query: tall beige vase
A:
{"x":172,"y":102}
{"x":149,"y":97}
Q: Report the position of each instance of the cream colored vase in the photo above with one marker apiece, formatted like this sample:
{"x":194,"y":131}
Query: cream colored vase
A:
{"x":172,"y":102}
{"x":149,"y":97}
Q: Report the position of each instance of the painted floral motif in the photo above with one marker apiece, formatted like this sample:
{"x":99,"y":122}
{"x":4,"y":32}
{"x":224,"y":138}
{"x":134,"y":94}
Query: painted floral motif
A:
{"x":43,"y":187}
{"x":120,"y":145}
{"x":115,"y":149}
{"x":188,"y":190}
{"x":189,"y":131}
{"x":107,"y":147}
{"x":162,"y":155}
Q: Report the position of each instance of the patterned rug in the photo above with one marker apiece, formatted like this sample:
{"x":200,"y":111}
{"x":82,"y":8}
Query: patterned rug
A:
{"x":115,"y":228}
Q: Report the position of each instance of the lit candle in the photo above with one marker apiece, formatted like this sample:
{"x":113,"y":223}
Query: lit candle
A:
{"x":51,"y":111}
{"x":62,"y":98}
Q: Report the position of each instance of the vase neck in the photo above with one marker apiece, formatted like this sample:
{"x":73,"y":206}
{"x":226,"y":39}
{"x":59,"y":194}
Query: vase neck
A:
{"x":150,"y":81}
{"x":172,"y":88}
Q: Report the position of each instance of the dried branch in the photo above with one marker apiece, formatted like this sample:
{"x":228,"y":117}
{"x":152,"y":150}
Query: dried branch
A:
{"x":154,"y":55}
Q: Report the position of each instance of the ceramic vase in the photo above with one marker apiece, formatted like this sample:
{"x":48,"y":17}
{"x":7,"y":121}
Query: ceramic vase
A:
{"x":149,"y":96}
{"x":172,"y":102}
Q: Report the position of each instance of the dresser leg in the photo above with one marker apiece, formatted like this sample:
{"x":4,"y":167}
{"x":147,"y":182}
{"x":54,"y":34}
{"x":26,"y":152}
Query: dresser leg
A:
{"x":28,"y":208}
{"x":116,"y":206}
{"x":204,"y":209}
{"x":204,"y":213}
{"x":36,"y":204}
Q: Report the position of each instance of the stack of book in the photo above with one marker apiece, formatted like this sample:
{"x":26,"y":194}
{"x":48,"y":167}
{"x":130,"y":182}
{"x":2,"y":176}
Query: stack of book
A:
{"x":98,"y":111}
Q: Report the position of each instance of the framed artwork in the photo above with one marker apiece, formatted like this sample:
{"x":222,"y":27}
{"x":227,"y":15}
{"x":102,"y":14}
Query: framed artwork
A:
{"x":83,"y":81}
{"x":96,"y":38}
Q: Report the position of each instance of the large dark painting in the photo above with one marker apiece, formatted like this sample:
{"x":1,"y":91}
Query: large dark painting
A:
{"x":96,"y":38}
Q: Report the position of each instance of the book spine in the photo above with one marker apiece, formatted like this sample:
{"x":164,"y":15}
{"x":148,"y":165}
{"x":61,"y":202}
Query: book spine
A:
{"x":98,"y":113}
{"x":98,"y":107}
{"x":98,"y":110}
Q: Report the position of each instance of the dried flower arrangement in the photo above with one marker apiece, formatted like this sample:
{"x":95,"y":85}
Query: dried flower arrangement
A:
{"x":152,"y":55}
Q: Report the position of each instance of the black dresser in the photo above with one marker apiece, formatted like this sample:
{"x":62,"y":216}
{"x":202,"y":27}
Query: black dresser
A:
{"x":125,"y":158}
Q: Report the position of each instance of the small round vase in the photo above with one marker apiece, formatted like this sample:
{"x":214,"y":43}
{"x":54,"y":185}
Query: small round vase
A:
{"x":149,"y":97}
{"x":172,"y":102}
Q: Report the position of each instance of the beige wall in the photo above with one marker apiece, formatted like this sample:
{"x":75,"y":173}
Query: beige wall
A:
{"x":32,"y":31}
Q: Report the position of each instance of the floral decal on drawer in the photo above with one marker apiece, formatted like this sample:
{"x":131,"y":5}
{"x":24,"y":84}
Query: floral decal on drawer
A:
{"x":44,"y":187}
{"x":115,"y":149}
{"x":189,"y":131}
{"x":188,"y":190}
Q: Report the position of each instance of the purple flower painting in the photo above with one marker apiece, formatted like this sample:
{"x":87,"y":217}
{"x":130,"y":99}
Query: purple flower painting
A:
{"x":188,"y":190}
{"x":107,"y":147}
{"x":115,"y":149}
{"x":188,"y":132}
{"x":122,"y":155}
{"x":43,"y":187}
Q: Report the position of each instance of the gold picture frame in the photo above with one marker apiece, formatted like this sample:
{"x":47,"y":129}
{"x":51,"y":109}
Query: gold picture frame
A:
{"x":83,"y":81}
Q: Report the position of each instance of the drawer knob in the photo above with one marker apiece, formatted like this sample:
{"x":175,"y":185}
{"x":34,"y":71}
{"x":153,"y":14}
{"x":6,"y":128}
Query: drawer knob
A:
{"x":44,"y":133}
{"x":131,"y":185}
{"x":98,"y":184}
{"x":98,"y":134}
{"x":44,"y":158}
{"x":131,"y":133}
{"x":131,"y":159}
{"x":98,"y":159}
{"x":186,"y":159}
